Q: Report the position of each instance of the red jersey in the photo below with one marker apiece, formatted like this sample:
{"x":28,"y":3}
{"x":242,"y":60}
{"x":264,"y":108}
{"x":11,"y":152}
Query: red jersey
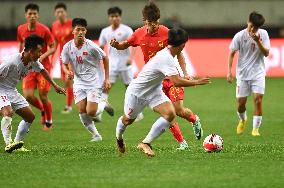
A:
{"x":62,"y":32}
{"x":40,"y":30}
{"x":150,"y":44}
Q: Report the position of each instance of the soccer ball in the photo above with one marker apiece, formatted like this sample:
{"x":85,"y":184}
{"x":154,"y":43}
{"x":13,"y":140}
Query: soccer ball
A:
{"x":213,"y":143}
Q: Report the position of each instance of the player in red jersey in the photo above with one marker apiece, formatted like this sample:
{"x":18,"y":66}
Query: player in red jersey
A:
{"x":35,"y":80}
{"x":152,"y":38}
{"x":62,"y":32}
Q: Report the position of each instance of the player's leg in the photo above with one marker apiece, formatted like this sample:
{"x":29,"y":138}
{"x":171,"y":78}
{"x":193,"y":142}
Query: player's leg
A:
{"x":258,"y":88}
{"x":69,"y":96}
{"x":243,"y":90}
{"x":29,"y":86}
{"x":175,"y":130}
{"x":6,"y":122}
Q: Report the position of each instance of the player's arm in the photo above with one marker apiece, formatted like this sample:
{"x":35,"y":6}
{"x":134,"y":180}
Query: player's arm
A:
{"x":230,"y":63}
{"x":57,"y":88}
{"x":119,"y":45}
{"x":50,"y":51}
{"x":107,"y":84}
{"x":182,"y":64}
{"x":256,"y":38}
{"x":182,"y":82}
{"x":21,"y":46}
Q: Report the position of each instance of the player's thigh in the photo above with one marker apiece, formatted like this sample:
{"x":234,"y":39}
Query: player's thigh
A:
{"x":94,"y":97}
{"x":161,"y":104}
{"x":127,"y":76}
{"x":80,"y":98}
{"x":5,"y":105}
{"x":26,"y":113}
{"x":133,"y":106}
{"x":92,"y":108}
{"x":243,"y":88}
{"x":29,"y":83}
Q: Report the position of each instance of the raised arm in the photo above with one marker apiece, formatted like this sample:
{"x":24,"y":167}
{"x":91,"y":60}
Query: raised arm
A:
{"x":256,"y":38}
{"x":182,"y":82}
{"x":230,"y":63}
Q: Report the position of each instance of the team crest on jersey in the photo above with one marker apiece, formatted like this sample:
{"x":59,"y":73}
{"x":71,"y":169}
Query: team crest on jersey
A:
{"x":161,"y":44}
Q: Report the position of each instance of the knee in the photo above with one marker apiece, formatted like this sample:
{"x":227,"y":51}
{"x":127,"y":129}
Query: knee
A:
{"x":170,"y":115}
{"x":30,"y":118}
{"x":43,"y":97}
{"x":7,"y":113}
{"x":91,"y":113}
{"x":179,"y":111}
{"x":127,"y":121}
{"x":258,"y":101}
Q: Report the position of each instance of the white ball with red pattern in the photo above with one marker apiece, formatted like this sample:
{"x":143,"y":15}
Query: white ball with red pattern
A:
{"x":213,"y":143}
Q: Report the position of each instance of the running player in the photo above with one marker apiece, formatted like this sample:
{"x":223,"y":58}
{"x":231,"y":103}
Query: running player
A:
{"x":12,"y":70}
{"x":89,"y":78}
{"x":62,"y":32}
{"x":119,"y":60}
{"x":146,"y":90}
{"x":35,"y":80}
{"x":253,"y":45}
{"x":152,"y":38}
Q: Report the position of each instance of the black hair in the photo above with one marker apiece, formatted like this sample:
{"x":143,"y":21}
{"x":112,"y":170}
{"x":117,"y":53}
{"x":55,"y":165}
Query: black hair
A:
{"x":114,"y":10}
{"x":151,"y":12}
{"x":177,"y":36}
{"x":60,"y":5}
{"x":256,"y":19}
{"x":31,"y":6}
{"x":79,"y":21}
{"x":32,"y":42}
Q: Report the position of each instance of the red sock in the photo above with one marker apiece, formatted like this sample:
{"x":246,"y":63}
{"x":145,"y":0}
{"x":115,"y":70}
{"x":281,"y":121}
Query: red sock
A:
{"x":37,"y":103}
{"x":191,"y":118}
{"x":177,"y":133}
{"x":69,"y":96}
{"x":48,"y":112}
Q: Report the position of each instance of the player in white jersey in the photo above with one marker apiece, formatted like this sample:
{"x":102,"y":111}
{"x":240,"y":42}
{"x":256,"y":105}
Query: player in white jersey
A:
{"x":119,"y":60}
{"x":253,"y":45}
{"x":146,"y":90}
{"x":13,"y":69}
{"x":89,"y":77}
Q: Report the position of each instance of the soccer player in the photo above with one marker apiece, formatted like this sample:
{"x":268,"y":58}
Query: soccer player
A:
{"x":152,"y":38}
{"x":253,"y":45}
{"x":12,"y":70}
{"x":35,"y":80}
{"x":119,"y":60}
{"x":62,"y":32}
{"x":89,"y":78}
{"x":146,"y":90}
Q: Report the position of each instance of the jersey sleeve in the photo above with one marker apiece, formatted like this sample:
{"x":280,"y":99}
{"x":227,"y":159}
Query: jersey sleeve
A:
{"x":102,"y":38}
{"x":37,"y":66}
{"x":97,"y":51}
{"x":235,"y":44}
{"x":64,"y":56}
{"x":133,"y":39}
{"x":168,"y":66}
{"x":266,"y":40}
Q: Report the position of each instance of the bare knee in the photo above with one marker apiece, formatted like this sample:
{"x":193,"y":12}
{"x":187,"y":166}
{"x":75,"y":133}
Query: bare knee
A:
{"x":30,"y":118}
{"x":43,"y":98}
{"x":258,"y":100}
{"x":169,"y":115}
{"x":7,"y":113}
{"x":127,"y":121}
{"x":91,"y":113}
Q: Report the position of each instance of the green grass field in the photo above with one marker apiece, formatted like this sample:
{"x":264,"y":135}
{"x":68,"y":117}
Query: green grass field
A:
{"x":64,"y":157}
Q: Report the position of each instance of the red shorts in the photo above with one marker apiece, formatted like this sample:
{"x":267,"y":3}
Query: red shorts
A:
{"x":172,"y":92}
{"x":35,"y":80}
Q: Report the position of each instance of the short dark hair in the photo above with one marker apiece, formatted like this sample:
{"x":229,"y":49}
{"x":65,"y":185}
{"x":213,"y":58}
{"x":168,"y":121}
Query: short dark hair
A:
{"x":256,"y":19}
{"x":60,"y":5}
{"x":31,"y":6}
{"x":32,"y":42}
{"x":151,"y":12}
{"x":177,"y":36}
{"x":79,"y":21}
{"x":114,"y":10}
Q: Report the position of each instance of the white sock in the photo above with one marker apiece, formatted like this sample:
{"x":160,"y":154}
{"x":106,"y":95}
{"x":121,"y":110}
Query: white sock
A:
{"x":105,"y":96}
{"x":242,"y":116}
{"x":6,"y":128}
{"x":88,"y":123}
{"x":157,"y":129}
{"x":23,"y":129}
{"x":101,"y":107}
{"x":120,"y":128}
{"x":257,"y":121}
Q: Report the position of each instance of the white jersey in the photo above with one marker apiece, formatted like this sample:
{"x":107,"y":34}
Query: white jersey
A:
{"x":251,"y":60}
{"x":117,"y":58}
{"x":12,"y":70}
{"x":149,"y":80}
{"x":85,"y":62}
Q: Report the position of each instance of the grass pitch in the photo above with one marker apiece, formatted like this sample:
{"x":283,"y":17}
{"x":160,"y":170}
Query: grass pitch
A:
{"x":64,"y":157}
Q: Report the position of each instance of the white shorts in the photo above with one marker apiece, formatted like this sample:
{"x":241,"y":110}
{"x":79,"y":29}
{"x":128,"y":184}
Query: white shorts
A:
{"x":92,"y":95}
{"x":125,"y":75}
{"x":13,"y":99}
{"x":246,"y":87}
{"x":134,"y":105}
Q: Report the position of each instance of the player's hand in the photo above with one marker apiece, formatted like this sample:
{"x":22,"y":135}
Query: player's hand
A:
{"x":40,"y":59}
{"x":59,"y":89}
{"x":70,"y":75}
{"x":113,"y":43}
{"x":254,"y":36}
{"x":203,"y":81}
{"x":230,"y":77}
{"x":128,"y":62}
{"x":106,"y":86}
